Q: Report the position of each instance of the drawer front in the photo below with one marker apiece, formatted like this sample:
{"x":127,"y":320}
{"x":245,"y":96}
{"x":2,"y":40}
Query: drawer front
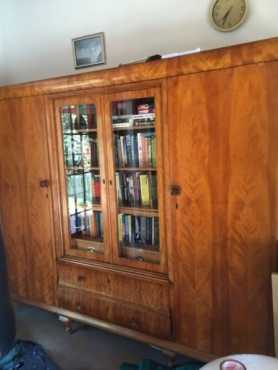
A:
{"x":118,"y":287}
{"x":136,"y":317}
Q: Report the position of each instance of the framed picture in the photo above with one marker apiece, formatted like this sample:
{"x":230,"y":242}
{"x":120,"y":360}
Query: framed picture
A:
{"x":89,"y":50}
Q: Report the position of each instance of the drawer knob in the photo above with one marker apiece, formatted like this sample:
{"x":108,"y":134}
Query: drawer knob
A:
{"x":81,"y":278}
{"x":44,"y":183}
{"x":134,"y":324}
{"x":175,"y":189}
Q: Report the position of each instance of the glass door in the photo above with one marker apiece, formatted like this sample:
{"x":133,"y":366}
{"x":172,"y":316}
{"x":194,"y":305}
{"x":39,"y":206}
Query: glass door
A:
{"x":83,"y":175}
{"x":135,"y":164}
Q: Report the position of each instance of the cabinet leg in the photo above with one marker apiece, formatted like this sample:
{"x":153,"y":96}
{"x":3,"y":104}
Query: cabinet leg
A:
{"x":67,"y":323}
{"x":171,"y":356}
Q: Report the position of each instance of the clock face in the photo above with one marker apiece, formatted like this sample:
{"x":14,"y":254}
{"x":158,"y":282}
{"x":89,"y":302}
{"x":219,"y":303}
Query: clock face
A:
{"x":227,"y":15}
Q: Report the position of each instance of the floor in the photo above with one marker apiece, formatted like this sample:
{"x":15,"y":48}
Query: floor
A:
{"x":87,"y":349}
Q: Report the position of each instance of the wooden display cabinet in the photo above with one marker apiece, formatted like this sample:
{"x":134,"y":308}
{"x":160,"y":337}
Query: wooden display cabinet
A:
{"x":111,"y":159}
{"x":143,"y":199}
{"x":134,"y":132}
{"x":82,"y":178}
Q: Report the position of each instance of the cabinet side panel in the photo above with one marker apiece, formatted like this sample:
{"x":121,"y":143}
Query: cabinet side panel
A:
{"x":223,"y":156}
{"x":191,"y":211}
{"x":40,"y":247}
{"x":251,"y":222}
{"x":12,"y":197}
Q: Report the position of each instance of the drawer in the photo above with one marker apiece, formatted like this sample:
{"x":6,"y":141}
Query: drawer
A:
{"x":119,"y":287}
{"x":136,"y":317}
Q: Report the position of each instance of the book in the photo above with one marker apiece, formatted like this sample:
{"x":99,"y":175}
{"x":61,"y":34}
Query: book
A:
{"x":153,"y":152}
{"x":123,"y":151}
{"x":153,"y":191}
{"x":119,"y":188}
{"x":88,"y":187}
{"x":96,"y":188}
{"x":140,"y":149}
{"x":145,"y":190}
{"x":120,"y":228}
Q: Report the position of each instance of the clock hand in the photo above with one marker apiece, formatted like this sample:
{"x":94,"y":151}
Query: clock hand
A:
{"x":227,"y":15}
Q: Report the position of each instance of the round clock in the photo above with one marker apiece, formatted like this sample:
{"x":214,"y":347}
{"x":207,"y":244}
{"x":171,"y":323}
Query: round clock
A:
{"x":227,"y":15}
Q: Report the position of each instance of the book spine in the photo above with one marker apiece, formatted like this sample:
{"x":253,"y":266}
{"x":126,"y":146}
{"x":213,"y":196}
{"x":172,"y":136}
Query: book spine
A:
{"x":123,"y":150}
{"x":153,"y":157}
{"x":143,"y":230}
{"x":153,"y":191}
{"x":88,"y":188}
{"x":156,"y":230}
{"x":129,"y":226}
{"x":149,"y":145}
{"x":137,"y":230}
{"x":134,"y":151}
{"x":118,"y":188}
{"x":125,"y":224}
{"x":101,"y":226}
{"x":149,"y":231}
{"x":140,"y":150}
{"x":120,"y":228}
{"x":117,"y":152}
{"x":145,"y":193}
{"x":145,"y":151}
{"x":128,"y":150}
{"x":137,"y":189}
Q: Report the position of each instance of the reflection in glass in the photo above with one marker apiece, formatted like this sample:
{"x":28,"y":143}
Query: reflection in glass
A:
{"x":81,"y":159}
{"x":135,"y":158}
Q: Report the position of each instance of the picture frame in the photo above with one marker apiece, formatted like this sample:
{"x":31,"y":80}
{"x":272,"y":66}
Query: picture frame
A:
{"x":89,"y":51}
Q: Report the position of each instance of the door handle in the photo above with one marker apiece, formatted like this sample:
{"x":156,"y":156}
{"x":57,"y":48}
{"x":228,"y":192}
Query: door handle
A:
{"x":44,"y":183}
{"x":175,"y":190}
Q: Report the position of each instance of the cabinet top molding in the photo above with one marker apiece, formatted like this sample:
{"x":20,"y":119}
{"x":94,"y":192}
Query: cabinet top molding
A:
{"x":232,"y":56}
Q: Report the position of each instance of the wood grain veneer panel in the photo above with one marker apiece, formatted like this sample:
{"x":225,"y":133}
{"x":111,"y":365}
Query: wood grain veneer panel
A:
{"x":192,"y":256}
{"x":12,"y":197}
{"x":134,"y":291}
{"x":40,"y":244}
{"x":250,"y":217}
{"x":255,"y":52}
{"x":115,"y":311}
{"x":223,"y":127}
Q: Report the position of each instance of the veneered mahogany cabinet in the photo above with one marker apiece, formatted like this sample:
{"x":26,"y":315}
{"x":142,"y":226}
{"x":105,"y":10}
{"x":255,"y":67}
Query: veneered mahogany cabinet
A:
{"x":143,"y":199}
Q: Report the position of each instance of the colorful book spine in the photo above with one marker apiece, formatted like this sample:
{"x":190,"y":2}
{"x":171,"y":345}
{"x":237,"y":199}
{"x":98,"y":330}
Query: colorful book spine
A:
{"x":96,"y":188}
{"x":145,"y":190}
{"x":138,"y":231}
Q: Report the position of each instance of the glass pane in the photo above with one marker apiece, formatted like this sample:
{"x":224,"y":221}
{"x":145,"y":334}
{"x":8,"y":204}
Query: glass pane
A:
{"x":81,"y":158}
{"x":139,"y":237}
{"x":134,"y":137}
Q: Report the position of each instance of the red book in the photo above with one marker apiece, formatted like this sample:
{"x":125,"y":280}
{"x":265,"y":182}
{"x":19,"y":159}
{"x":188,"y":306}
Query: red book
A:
{"x":96,"y":189}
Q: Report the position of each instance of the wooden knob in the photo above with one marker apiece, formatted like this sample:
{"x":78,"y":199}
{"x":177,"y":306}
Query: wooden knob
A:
{"x":81,"y":278}
{"x":175,"y":189}
{"x":44,"y":183}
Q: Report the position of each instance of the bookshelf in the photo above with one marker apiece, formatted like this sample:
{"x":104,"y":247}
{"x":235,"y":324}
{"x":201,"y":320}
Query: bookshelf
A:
{"x":111,"y":173}
{"x":83,"y":179}
{"x":133,"y":123}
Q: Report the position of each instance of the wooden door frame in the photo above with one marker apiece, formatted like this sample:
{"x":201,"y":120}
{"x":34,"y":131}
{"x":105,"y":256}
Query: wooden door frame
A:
{"x":58,"y":180}
{"x":141,"y":90}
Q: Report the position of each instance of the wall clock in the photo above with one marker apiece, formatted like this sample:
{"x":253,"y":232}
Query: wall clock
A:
{"x":227,"y":15}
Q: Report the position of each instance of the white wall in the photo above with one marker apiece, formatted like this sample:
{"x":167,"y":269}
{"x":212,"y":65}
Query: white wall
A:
{"x":37,"y":33}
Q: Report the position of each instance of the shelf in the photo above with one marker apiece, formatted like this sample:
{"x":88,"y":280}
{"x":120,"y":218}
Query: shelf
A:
{"x":87,"y":245}
{"x":82,"y":169}
{"x":135,"y":116}
{"x":137,"y":169}
{"x":80,"y":131}
{"x":95,"y":207}
{"x":148,"y":212}
{"x":134,"y":128}
{"x":140,"y":254}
